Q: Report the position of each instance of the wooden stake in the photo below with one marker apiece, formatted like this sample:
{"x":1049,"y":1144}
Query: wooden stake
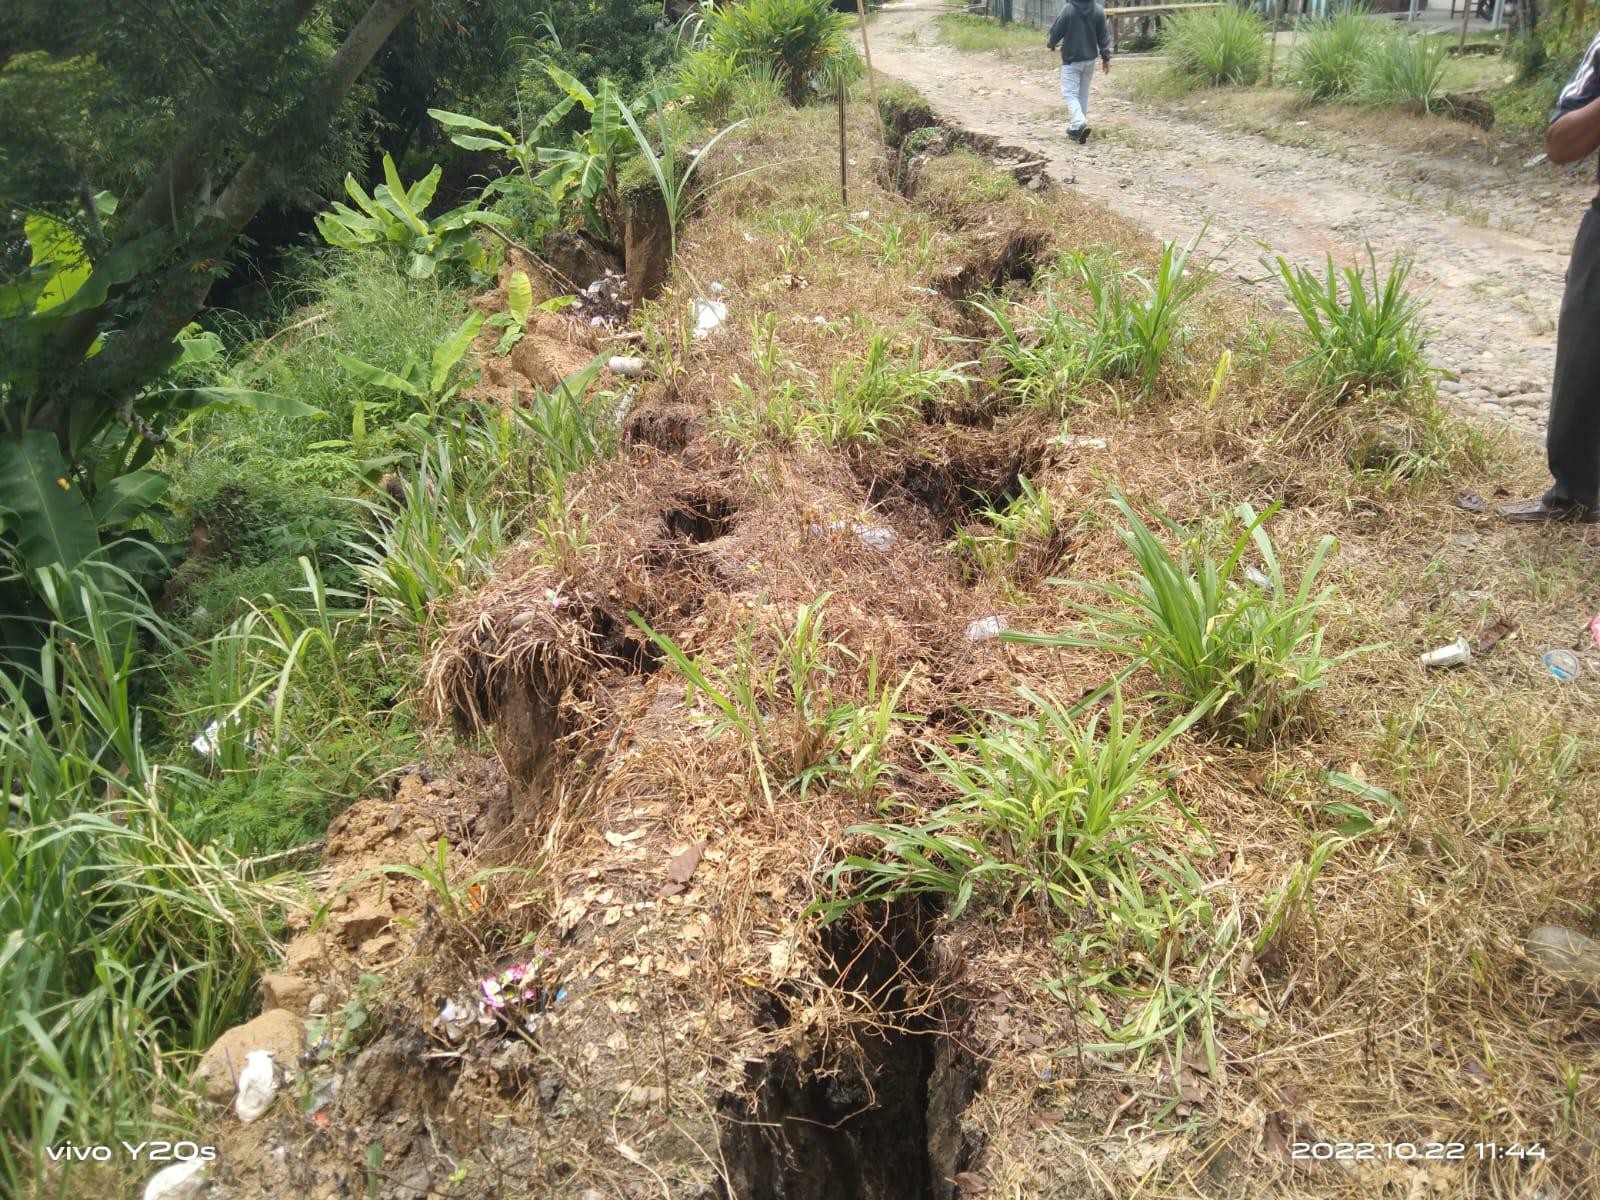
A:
{"x":844,"y":188}
{"x":872,"y":83}
{"x":1272,"y":49}
{"x":1466,"y":15}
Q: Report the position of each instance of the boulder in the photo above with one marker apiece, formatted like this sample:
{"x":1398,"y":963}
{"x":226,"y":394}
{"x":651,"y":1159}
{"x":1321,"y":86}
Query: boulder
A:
{"x":277,"y":1031}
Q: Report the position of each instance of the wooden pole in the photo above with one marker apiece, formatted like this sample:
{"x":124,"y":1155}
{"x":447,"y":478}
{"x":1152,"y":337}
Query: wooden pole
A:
{"x":1466,"y":15}
{"x":844,"y":187}
{"x":1272,"y":49}
{"x":872,"y":83}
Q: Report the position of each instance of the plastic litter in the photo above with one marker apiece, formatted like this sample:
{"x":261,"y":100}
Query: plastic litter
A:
{"x":873,"y":537}
{"x":1594,"y":629}
{"x":1458,"y":653}
{"x":716,"y":288}
{"x":208,"y":743}
{"x":527,"y":990}
{"x":1563,"y":664}
{"x":630,"y":368}
{"x":985,"y":628}
{"x":1076,"y":442}
{"x":177,"y":1182}
{"x":1258,"y":577}
{"x":258,"y":1084}
{"x":708,"y":315}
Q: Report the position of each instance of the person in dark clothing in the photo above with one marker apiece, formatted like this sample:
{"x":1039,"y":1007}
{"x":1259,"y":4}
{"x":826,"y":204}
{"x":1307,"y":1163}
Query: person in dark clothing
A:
{"x":1081,"y":33}
{"x":1572,"y":444}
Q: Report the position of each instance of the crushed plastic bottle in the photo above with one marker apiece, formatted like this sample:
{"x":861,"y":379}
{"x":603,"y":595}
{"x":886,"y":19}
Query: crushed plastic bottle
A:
{"x":258,"y":1084}
{"x":1563,"y":664}
{"x":985,"y":628}
{"x":625,"y":366}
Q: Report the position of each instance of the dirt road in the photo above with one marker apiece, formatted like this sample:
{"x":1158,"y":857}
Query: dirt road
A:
{"x":1489,"y":242}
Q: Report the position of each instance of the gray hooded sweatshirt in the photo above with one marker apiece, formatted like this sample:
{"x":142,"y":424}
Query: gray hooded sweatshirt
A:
{"x":1082,"y":33}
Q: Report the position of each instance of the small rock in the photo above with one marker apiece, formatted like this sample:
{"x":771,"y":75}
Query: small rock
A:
{"x":364,"y":922}
{"x":177,"y":1182}
{"x":317,"y":1005}
{"x":514,"y":1057}
{"x":640,"y":1096}
{"x":415,"y":1186}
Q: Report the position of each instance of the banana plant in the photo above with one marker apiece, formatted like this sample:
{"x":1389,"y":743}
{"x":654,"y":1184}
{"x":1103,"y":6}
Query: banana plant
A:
{"x":585,"y":171}
{"x":433,"y":381}
{"x":519,"y":307}
{"x":394,"y":216}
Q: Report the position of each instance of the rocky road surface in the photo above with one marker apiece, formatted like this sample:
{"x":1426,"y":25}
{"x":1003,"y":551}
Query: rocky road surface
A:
{"x":1489,"y":235}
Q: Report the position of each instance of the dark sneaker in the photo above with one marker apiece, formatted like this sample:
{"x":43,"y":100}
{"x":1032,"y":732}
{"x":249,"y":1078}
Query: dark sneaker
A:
{"x":1540,"y":511}
{"x":1077,"y":134}
{"x":1083,"y":136}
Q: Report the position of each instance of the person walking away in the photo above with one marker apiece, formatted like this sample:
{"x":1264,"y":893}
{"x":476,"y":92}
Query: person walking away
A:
{"x":1572,"y":443}
{"x":1081,"y":33}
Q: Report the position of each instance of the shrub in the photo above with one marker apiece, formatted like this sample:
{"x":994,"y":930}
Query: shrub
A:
{"x":1372,"y":339}
{"x":1401,"y":71}
{"x":804,"y":41}
{"x":1331,"y":53}
{"x":1217,"y":46}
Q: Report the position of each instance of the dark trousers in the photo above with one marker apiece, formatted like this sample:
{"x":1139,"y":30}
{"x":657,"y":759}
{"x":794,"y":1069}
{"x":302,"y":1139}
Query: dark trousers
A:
{"x":1573,"y":441}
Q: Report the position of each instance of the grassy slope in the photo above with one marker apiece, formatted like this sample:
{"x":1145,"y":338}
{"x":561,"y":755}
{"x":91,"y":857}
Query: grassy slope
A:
{"x":1362,"y":987}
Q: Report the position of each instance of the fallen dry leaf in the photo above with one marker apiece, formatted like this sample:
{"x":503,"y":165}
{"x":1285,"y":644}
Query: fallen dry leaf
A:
{"x":971,"y":1183}
{"x":1491,"y":635}
{"x":681,"y":869}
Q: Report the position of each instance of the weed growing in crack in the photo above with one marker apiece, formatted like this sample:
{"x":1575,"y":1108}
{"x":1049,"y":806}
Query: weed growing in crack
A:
{"x":1247,"y":656}
{"x":1125,"y":326}
{"x":872,"y":399}
{"x":890,"y":243}
{"x":1050,"y":809}
{"x":869,"y":399}
{"x":784,"y":708}
{"x":472,"y":491}
{"x":1032,"y":518}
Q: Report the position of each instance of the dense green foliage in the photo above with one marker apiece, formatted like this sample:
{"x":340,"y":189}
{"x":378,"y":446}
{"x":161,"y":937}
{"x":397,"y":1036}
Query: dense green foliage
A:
{"x":1329,"y":56}
{"x":1217,"y":47}
{"x":804,"y":43}
{"x":1401,"y":71}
